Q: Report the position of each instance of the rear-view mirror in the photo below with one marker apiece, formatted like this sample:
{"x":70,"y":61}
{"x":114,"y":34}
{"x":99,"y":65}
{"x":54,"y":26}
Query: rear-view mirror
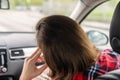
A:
{"x":4,"y":4}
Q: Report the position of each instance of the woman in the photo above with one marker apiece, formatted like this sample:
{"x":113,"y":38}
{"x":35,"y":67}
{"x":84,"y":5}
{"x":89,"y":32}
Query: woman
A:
{"x":67,"y":52}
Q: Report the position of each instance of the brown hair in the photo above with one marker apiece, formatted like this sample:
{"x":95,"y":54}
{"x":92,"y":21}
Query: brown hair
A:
{"x":65,"y":46}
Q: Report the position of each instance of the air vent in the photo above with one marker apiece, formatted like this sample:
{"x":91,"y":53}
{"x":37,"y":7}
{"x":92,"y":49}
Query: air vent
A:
{"x":16,"y":53}
{"x":20,"y":53}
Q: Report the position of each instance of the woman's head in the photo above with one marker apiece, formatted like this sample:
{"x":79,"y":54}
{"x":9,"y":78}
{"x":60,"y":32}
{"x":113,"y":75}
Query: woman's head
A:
{"x":66,"y":47}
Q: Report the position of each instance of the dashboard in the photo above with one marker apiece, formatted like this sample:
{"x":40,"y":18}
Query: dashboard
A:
{"x":14,"y":47}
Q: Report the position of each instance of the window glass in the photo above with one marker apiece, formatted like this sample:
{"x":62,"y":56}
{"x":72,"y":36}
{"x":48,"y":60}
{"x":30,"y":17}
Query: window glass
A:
{"x":99,"y":19}
{"x":24,"y":14}
{"x":101,"y":16}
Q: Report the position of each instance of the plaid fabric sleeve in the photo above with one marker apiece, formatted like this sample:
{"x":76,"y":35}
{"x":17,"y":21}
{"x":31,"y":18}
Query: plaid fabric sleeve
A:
{"x":108,"y":61}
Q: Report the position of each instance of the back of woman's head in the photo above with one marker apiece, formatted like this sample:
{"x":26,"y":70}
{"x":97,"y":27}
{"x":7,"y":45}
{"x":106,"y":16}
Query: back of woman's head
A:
{"x":65,"y":46}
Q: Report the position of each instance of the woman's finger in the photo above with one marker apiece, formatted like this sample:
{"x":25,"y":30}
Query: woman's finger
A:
{"x":40,"y":70}
{"x":36,"y":55}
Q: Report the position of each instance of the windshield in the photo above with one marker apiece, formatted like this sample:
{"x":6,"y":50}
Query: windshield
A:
{"x":24,"y":14}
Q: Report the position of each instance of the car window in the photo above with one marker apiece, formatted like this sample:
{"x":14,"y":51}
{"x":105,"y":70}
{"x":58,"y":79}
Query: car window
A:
{"x":24,"y":14}
{"x":99,"y":19}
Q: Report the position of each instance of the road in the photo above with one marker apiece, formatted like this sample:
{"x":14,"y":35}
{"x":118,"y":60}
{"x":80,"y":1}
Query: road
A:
{"x":18,"y":21}
{"x":26,"y":21}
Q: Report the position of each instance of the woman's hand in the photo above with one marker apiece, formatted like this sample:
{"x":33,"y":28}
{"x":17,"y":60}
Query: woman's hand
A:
{"x":29,"y":69}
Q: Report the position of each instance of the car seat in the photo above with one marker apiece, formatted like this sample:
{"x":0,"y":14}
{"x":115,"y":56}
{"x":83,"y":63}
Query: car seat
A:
{"x":115,"y":44}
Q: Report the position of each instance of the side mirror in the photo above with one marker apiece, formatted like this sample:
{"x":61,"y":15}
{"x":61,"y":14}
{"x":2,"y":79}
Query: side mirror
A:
{"x":97,"y":38}
{"x":4,"y":4}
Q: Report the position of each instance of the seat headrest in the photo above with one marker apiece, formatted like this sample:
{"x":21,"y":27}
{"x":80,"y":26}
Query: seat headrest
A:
{"x":115,"y":30}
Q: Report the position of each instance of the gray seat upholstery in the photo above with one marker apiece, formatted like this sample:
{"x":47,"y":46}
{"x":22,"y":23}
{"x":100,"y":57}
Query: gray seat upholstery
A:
{"x":112,"y":75}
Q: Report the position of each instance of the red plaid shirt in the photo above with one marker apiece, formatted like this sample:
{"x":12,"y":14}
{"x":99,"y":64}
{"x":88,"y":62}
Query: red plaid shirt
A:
{"x":108,"y":61}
